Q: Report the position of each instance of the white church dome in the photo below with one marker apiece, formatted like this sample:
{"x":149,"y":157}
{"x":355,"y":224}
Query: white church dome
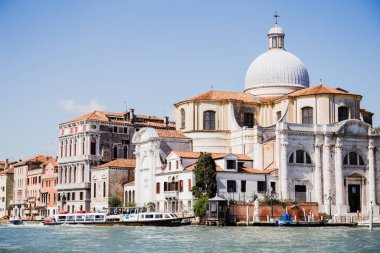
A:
{"x":276,"y":72}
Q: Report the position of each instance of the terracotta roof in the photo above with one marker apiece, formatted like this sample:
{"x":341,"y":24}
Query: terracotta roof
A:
{"x":192,"y":168}
{"x":256,"y":171}
{"x":120,"y":163}
{"x":119,"y":117}
{"x":36,"y":159}
{"x":170,"y":133}
{"x":363,"y":110}
{"x":318,"y":89}
{"x":99,"y":115}
{"x":195,"y":155}
{"x":155,"y":124}
{"x":8,"y":170}
{"x":269,"y":99}
{"x":223,"y":95}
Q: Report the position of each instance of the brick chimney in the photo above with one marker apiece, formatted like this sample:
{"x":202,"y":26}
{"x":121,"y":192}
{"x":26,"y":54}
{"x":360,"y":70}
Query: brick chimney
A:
{"x":166,"y":121}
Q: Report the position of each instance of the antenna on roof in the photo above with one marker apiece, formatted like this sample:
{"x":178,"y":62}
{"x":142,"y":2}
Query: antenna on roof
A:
{"x":275,"y":17}
{"x":320,"y":80}
{"x":212,"y":87}
{"x":126,"y":107}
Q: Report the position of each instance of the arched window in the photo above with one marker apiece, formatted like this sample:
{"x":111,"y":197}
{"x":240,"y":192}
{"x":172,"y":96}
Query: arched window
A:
{"x":307,"y":115}
{"x":183,"y":121}
{"x":300,"y":157}
{"x":342,"y":113}
{"x":94,"y":190}
{"x":209,"y":120}
{"x":353,"y":158}
{"x":93,"y":147}
{"x":104,"y":189}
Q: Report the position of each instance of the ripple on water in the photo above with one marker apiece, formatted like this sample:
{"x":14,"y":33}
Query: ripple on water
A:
{"x":187,"y":239}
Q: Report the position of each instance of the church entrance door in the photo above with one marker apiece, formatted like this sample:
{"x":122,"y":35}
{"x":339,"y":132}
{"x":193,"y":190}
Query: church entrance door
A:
{"x":300,"y":193}
{"x":354,"y":197}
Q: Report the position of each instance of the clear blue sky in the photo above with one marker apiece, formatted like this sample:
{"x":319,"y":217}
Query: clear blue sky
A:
{"x":61,"y":58}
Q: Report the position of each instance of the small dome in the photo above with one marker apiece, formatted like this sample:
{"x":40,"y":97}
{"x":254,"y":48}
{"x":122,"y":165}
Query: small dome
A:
{"x":276,"y":68}
{"x":276,"y":30}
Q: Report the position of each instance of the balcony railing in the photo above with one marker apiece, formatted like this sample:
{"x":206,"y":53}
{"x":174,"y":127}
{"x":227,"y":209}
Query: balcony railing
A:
{"x":41,"y":204}
{"x":71,"y":186}
{"x":171,"y":194}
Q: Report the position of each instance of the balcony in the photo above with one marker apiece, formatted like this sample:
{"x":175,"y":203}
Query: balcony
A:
{"x":41,"y":205}
{"x":171,"y":194}
{"x":78,"y":158}
{"x":73,"y":186}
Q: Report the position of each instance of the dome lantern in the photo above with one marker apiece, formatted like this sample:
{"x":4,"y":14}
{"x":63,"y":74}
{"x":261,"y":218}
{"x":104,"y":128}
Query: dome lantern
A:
{"x":276,"y":35}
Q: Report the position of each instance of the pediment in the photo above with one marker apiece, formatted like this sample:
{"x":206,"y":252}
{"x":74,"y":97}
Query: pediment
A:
{"x":354,"y":127}
{"x":355,"y":175}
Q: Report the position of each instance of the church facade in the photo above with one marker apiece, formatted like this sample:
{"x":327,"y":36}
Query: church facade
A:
{"x":318,"y":139}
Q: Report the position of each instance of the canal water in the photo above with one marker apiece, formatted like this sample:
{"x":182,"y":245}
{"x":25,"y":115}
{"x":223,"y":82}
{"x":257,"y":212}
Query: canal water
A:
{"x":37,"y":238}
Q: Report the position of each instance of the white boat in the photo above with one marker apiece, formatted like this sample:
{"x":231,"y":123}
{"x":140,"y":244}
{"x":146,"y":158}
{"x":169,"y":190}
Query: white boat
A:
{"x":375,"y":222}
{"x":155,"y":219}
{"x":121,"y":217}
{"x":15,"y":221}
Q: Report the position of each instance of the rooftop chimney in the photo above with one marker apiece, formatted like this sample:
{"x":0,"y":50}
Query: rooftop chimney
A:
{"x":6,"y":163}
{"x":166,"y":120}
{"x":132,"y":115}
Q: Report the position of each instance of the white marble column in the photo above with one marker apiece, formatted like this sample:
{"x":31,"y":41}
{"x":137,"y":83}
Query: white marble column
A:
{"x":88,"y":145}
{"x":339,"y":177}
{"x":284,"y":170}
{"x":318,"y":175}
{"x":98,"y":145}
{"x":371,"y":173}
{"x":326,"y":172}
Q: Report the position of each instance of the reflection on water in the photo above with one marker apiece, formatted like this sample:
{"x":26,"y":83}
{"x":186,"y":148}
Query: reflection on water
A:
{"x":39,"y":238}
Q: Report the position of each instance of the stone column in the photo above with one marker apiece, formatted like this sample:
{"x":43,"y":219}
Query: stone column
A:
{"x":339,"y":201}
{"x":98,"y":145}
{"x":318,"y":174}
{"x":326,"y":172}
{"x":284,"y":170}
{"x":88,"y":144}
{"x":371,"y":173}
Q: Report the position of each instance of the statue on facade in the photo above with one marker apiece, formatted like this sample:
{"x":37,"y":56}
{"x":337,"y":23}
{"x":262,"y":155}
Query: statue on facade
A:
{"x":256,"y":217}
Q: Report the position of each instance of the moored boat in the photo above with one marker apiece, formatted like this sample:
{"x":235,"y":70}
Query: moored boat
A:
{"x":124,"y":217}
{"x":15,"y":221}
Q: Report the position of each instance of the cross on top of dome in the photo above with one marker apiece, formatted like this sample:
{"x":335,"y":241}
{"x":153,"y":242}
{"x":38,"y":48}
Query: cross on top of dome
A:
{"x":275,"y":17}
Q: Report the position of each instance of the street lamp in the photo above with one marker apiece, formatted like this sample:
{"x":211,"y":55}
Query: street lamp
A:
{"x":329,"y":198}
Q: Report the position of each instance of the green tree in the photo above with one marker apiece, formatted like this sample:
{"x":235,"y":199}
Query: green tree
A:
{"x":114,"y":201}
{"x":200,"y":207}
{"x":205,"y":176}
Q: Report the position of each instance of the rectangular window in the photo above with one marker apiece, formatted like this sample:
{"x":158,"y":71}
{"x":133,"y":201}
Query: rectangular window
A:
{"x":181,"y":186}
{"x":231,"y":186}
{"x":157,"y":188}
{"x":307,"y":115}
{"x":273,"y":186}
{"x":243,"y":186}
{"x":261,"y":186}
{"x":189,"y":184}
{"x":248,"y":120}
{"x":81,"y":196}
{"x":73,"y":196}
{"x":231,"y":165}
{"x":165,"y":186}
